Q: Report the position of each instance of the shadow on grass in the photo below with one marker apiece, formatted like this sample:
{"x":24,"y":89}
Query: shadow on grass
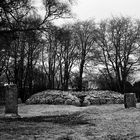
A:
{"x":71,"y":119}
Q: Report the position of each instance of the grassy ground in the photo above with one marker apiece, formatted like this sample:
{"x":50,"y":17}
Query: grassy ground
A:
{"x":59,"y":122}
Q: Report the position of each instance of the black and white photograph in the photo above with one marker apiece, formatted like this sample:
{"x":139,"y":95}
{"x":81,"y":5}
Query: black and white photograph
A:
{"x":69,"y":69}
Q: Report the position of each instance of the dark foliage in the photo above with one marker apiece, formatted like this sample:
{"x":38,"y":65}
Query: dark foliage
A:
{"x":39,"y":84}
{"x":106,"y":84}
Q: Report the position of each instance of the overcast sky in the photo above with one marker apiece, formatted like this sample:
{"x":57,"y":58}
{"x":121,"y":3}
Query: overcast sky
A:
{"x":102,"y":9}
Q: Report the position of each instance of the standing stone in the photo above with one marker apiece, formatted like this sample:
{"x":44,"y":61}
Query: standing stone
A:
{"x":129,"y":100}
{"x":2,"y":94}
{"x":11,"y":101}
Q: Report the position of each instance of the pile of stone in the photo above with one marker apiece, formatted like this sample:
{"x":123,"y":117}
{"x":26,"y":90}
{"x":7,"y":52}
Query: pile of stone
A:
{"x":103,"y":97}
{"x":76,"y":98}
{"x":54,"y":97}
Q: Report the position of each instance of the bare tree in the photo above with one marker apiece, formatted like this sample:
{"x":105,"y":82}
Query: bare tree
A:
{"x":118,"y":41}
{"x":58,"y":56}
{"x":22,"y":56}
{"x":14,"y":11}
{"x":84,"y":38}
{"x":66,"y":54}
{"x":15,"y":19}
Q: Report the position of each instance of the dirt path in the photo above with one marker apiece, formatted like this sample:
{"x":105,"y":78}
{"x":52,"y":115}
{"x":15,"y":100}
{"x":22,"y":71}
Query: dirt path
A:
{"x":53,"y":122}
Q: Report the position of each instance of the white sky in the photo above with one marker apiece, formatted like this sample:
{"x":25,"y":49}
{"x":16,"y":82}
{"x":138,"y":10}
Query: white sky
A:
{"x":102,"y":9}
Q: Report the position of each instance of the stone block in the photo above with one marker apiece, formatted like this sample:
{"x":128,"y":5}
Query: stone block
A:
{"x":11,"y":101}
{"x":129,"y":100}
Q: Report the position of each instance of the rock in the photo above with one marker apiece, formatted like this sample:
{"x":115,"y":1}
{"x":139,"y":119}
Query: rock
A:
{"x":58,"y":100}
{"x":119,"y":101}
{"x":86,"y":103}
{"x":129,"y":100}
{"x":102,"y":101}
{"x":50,"y":97}
{"x":43,"y":101}
{"x":109,"y":101}
{"x":49,"y":100}
{"x":76,"y":103}
{"x":68,"y":102}
{"x":37,"y":100}
{"x":95,"y":101}
{"x":74,"y":98}
{"x":11,"y":101}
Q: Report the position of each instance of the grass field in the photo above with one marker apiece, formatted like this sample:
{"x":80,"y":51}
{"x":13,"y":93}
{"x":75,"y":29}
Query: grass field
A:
{"x":64,"y":122}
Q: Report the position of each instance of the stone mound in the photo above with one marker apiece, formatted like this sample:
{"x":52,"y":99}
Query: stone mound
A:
{"x":73,"y":98}
{"x":104,"y":97}
{"x":54,"y":97}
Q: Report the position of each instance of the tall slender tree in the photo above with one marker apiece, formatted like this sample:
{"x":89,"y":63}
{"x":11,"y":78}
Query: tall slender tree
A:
{"x":84,"y":38}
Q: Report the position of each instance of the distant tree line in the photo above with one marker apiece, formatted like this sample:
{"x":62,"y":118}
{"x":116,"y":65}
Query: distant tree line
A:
{"x":37,"y":55}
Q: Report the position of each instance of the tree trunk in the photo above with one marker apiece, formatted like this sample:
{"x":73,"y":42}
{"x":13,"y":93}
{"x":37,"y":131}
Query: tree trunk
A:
{"x":81,"y":67}
{"x":66,"y":76}
{"x":66,"y":73}
{"x":81,"y":74}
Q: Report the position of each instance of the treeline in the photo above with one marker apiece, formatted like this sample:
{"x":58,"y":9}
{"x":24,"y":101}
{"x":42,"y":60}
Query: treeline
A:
{"x":37,"y":55}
